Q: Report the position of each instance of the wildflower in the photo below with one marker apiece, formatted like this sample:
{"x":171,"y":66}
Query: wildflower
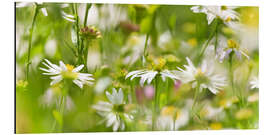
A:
{"x":226,"y":14}
{"x":149,"y":75}
{"x":66,"y":72}
{"x":39,"y":4}
{"x":90,"y":33}
{"x":244,"y":114}
{"x":216,"y":126}
{"x":53,"y":98}
{"x":253,"y":98}
{"x":254,"y":83}
{"x":203,"y":75}
{"x":232,"y":46}
{"x":211,"y":113}
{"x":114,"y":110}
{"x":172,"y":118}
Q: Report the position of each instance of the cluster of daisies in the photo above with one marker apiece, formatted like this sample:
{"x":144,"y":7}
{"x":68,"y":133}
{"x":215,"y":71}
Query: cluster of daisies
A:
{"x":117,"y":113}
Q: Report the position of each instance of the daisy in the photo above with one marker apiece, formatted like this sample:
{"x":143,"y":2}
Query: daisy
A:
{"x":231,"y":46}
{"x":114,"y":110}
{"x":148,"y":75}
{"x":202,"y":75}
{"x":226,"y":14}
{"x":254,"y":83}
{"x":26,"y":4}
{"x":66,"y":72}
{"x":172,"y":118}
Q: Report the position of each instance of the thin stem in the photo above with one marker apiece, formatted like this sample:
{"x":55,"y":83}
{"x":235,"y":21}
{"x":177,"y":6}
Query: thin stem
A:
{"x":77,"y":28}
{"x":156,"y":104}
{"x":231,"y":72}
{"x":88,"y":6}
{"x":195,"y":96}
{"x":145,"y":48}
{"x":209,"y":39}
{"x":30,"y":40}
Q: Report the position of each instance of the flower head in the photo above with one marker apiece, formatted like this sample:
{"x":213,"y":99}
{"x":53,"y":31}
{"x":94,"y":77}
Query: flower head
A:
{"x":90,"y":32}
{"x":66,"y":72}
{"x":232,"y":46}
{"x":114,"y":111}
{"x":147,"y":75}
{"x":172,"y":118}
{"x":254,"y":83}
{"x":202,"y":75}
{"x":225,"y":13}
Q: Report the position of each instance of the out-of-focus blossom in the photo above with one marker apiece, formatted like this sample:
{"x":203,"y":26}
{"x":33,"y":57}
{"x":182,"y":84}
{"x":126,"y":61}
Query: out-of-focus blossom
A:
{"x":134,"y":46}
{"x":253,"y":98}
{"x":114,"y":111}
{"x":243,"y":114}
{"x":26,"y":4}
{"x":177,"y":84}
{"x":102,"y":84}
{"x":172,"y":118}
{"x":50,"y":48}
{"x":66,"y":72}
{"x":212,"y":113}
{"x":254,"y":83}
{"x":149,"y":91}
{"x":53,"y":98}
{"x":202,"y":75}
{"x":225,"y":13}
{"x":90,"y":33}
{"x":231,"y":46}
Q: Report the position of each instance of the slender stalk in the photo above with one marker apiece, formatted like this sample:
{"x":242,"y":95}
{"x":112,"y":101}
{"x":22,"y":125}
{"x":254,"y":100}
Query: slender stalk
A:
{"x":214,"y":32}
{"x":231,"y":72}
{"x":156,"y":104}
{"x":30,"y":40}
{"x":88,"y":6}
{"x":145,"y":48}
{"x":77,"y":28}
{"x":195,"y":96}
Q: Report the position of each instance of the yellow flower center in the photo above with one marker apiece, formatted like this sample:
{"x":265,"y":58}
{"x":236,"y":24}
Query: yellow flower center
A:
{"x":228,"y":19}
{"x":159,"y":64}
{"x":232,"y":44}
{"x":171,"y":111}
{"x":192,"y":42}
{"x":69,"y":74}
{"x":224,"y":7}
{"x":200,"y":76}
{"x":216,"y":126}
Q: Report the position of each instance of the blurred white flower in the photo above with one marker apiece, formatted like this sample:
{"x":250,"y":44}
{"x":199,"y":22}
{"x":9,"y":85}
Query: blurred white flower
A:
{"x":52,"y":97}
{"x":102,"y":84}
{"x":172,"y":118}
{"x":26,"y":4}
{"x":225,"y":48}
{"x":149,"y":75}
{"x":110,"y":15}
{"x":202,"y":75}
{"x":254,"y":83}
{"x":50,"y":48}
{"x":134,"y":45}
{"x":225,"y":13}
{"x":113,"y":111}
{"x":212,"y":113}
{"x":66,"y":72}
{"x":93,"y":14}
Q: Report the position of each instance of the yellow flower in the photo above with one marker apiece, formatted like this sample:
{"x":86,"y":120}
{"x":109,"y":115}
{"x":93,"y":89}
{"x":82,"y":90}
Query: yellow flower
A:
{"x":216,"y":126}
{"x":243,"y":114}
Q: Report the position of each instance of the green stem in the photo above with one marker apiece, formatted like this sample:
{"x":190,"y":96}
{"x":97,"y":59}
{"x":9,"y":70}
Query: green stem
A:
{"x":156,"y":104}
{"x":195,"y":96}
{"x":214,"y":32}
{"x":231,"y":72}
{"x":88,"y":6}
{"x":30,"y":40}
{"x":145,"y":48}
{"x":77,"y":28}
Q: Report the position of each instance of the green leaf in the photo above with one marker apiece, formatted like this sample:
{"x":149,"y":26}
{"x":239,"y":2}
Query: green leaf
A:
{"x":146,"y":24}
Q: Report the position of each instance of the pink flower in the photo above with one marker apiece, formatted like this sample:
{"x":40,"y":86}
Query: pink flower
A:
{"x":149,"y":91}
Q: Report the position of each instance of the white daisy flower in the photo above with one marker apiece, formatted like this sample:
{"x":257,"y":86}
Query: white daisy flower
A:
{"x":202,"y":75}
{"x":149,"y":75}
{"x":26,"y":4}
{"x":172,"y":118}
{"x":66,"y":72}
{"x":254,"y":83}
{"x":226,"y":48}
{"x":113,"y":111}
{"x":226,"y":14}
